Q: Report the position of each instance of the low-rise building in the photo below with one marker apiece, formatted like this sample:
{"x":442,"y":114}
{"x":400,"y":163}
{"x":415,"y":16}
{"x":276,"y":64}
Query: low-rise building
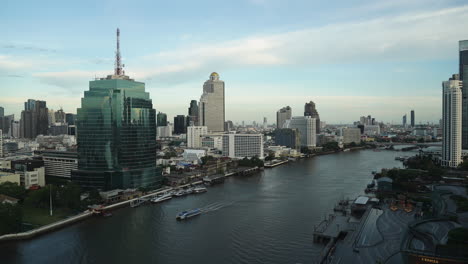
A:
{"x":239,"y":146}
{"x":212,"y":142}
{"x":59,"y":163}
{"x":351,"y":135}
{"x":7,"y":175}
{"x":5,"y":199}
{"x":31,"y":171}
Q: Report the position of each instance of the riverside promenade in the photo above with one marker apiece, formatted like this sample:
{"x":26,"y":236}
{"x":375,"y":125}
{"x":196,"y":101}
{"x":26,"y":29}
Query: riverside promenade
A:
{"x":70,"y":220}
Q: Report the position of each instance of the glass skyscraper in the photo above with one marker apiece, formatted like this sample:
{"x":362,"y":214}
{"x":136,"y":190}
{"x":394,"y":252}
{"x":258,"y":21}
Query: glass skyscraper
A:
{"x":116,"y":135}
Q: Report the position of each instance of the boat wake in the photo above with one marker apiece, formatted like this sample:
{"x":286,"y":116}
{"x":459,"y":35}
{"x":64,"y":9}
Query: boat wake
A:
{"x":215,"y":206}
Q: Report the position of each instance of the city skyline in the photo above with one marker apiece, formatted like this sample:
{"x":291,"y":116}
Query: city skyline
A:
{"x":415,"y":48}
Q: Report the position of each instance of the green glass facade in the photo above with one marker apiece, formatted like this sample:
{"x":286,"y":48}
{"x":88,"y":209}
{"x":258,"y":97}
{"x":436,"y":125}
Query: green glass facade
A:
{"x":116,"y":133}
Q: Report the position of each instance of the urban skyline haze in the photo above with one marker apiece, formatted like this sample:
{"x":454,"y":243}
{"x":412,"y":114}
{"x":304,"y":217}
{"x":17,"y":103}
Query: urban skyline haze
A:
{"x":322,"y":53}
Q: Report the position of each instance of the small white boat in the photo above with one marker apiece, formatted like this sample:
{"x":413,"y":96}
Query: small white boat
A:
{"x":161,"y":198}
{"x":200,"y":189}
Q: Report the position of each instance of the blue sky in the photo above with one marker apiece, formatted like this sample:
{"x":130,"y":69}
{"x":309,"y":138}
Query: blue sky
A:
{"x":352,"y":58}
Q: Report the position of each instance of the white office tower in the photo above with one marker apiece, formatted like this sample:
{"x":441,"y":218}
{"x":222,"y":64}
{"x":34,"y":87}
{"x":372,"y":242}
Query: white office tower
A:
{"x":211,"y":107}
{"x":239,"y":146}
{"x":307,"y":130}
{"x":452,"y":122}
{"x":1,"y":143}
{"x":194,"y":136}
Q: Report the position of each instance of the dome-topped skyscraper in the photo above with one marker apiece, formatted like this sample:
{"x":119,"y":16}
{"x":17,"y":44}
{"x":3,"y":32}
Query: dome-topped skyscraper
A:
{"x":211,"y":107}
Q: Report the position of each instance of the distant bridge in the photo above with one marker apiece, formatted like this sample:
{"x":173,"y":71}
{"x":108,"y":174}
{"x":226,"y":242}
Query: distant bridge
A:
{"x":385,"y":144}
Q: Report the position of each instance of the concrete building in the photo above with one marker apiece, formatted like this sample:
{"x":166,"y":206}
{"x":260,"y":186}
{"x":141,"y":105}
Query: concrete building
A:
{"x":282,"y":115}
{"x":1,"y":143}
{"x":288,"y":137}
{"x":193,"y":112}
{"x":59,"y":163}
{"x":463,"y":76}
{"x":212,"y":141}
{"x":163,"y":131}
{"x":404,"y":120}
{"x":34,"y":119}
{"x":180,"y":124}
{"x":239,"y":146}
{"x":351,"y":134}
{"x":452,"y":122}
{"x":310,"y":110}
{"x":306,"y":127}
{"x":9,"y":176}
{"x":194,"y":136}
{"x":412,"y":119}
{"x":31,"y":171}
{"x":212,"y":104}
{"x":193,"y":155}
{"x":372,"y":130}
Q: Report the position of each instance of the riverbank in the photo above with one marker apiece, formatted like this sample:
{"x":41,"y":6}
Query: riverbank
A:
{"x":76,"y":218}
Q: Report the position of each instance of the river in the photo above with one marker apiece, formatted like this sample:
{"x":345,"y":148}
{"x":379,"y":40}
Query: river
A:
{"x":264,"y":218}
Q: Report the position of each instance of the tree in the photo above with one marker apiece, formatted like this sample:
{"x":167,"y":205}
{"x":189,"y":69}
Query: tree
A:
{"x":12,"y":189}
{"x":11,"y":218}
{"x":69,"y":196}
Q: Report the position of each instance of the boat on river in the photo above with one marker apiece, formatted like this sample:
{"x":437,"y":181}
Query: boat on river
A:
{"x":188,"y":214}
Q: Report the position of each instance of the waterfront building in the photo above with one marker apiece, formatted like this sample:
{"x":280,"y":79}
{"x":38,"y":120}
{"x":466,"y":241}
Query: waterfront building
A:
{"x":306,"y":127}
{"x":193,"y":112}
{"x":31,"y":171}
{"x":351,"y":135}
{"x":59,"y":164}
{"x":239,"y":146}
{"x":452,"y":122}
{"x":161,"y":119}
{"x":288,"y":137}
{"x":180,"y":124}
{"x":463,"y":76}
{"x":194,"y":134}
{"x":212,"y":104}
{"x":310,"y":110}
{"x":372,"y":130}
{"x":412,"y":118}
{"x":164,"y":131}
{"x":404,"y":120}
{"x":116,"y":136}
{"x":282,"y":115}
{"x":212,"y":141}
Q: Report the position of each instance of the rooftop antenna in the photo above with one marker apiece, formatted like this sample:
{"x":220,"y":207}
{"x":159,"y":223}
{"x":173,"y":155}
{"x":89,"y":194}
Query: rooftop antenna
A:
{"x":118,"y":62}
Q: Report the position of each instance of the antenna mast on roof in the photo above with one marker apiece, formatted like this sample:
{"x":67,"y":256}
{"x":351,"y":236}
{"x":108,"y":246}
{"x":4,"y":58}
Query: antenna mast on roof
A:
{"x":118,"y":62}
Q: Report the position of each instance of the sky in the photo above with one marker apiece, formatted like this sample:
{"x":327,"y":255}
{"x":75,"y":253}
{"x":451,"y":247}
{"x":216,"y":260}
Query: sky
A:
{"x":352,"y":58}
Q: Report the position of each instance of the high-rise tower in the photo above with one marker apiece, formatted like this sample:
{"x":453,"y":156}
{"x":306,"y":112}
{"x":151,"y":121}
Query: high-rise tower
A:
{"x":282,"y":115}
{"x":310,"y":110}
{"x":452,"y":122}
{"x":463,"y":75}
{"x":412,"y":119}
{"x":212,"y":104}
{"x":116,"y":134}
{"x":193,"y":111}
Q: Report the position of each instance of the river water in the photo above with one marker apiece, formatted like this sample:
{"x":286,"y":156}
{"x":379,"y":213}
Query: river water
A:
{"x":264,"y":218}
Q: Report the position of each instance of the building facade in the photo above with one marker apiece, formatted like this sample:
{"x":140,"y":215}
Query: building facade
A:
{"x":282,"y":115}
{"x":412,"y":119}
{"x":310,"y":110}
{"x":194,"y":136}
{"x":180,"y":124}
{"x":239,"y":146}
{"x":161,"y":119}
{"x":59,"y":164}
{"x":34,"y":119}
{"x":1,"y":143}
{"x":31,"y":171}
{"x":212,"y":104}
{"x":404,"y":120}
{"x":307,"y":130}
{"x":193,"y":111}
{"x":288,"y":137}
{"x":463,"y":76}
{"x":351,"y":135}
{"x":452,"y":122}
{"x":116,"y":136}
